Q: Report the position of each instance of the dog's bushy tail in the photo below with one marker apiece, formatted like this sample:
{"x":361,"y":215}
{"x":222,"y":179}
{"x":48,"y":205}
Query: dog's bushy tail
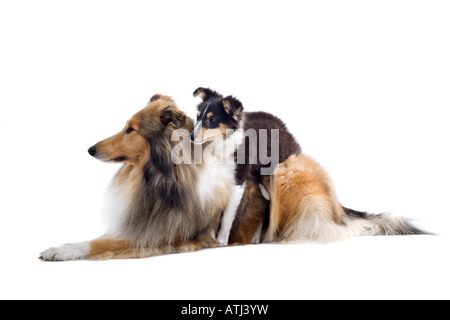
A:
{"x":365,"y":224}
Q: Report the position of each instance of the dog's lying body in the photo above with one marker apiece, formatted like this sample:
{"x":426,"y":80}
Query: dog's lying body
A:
{"x":157,"y":207}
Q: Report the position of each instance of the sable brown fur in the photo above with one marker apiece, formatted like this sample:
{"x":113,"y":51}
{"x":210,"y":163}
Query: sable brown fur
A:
{"x":160,"y":208}
{"x":305,"y":208}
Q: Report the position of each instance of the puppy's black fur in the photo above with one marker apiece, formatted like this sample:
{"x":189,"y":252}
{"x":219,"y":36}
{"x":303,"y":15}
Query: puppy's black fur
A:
{"x":216,"y":111}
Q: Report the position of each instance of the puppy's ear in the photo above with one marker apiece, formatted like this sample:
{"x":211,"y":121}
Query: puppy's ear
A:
{"x":170,"y":115}
{"x":161,"y":97}
{"x":233,"y":107}
{"x":205,"y":93}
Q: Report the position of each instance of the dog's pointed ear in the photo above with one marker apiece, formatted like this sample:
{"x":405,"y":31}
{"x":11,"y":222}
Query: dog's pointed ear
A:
{"x":233,"y":107}
{"x":161,"y":97}
{"x":154,"y":98}
{"x":205,"y":93}
{"x":171,"y":114}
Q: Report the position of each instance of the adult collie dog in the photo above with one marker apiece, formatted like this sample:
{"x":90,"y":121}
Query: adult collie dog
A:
{"x":157,"y":207}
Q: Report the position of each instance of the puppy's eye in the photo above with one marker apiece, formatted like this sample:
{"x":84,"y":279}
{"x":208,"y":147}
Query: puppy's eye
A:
{"x":129,"y":130}
{"x":212,"y":120}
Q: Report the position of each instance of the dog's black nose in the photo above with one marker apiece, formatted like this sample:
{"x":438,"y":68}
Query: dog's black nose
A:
{"x":192,"y":136}
{"x":92,"y":151}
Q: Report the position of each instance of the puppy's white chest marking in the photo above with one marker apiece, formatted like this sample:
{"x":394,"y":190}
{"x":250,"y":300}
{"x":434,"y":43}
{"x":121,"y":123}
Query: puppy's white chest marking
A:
{"x":213,"y":178}
{"x":220,"y":167}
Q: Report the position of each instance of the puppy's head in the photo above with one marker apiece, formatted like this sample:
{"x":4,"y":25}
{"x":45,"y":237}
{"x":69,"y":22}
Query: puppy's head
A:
{"x":216,"y":115}
{"x":145,"y":134}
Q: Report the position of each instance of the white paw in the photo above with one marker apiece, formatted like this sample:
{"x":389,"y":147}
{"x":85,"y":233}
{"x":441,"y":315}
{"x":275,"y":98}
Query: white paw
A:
{"x":67,"y":252}
{"x":223,"y":239}
{"x":257,"y":236}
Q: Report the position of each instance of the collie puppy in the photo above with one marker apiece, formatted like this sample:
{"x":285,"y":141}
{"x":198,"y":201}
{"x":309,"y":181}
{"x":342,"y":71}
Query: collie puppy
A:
{"x":262,"y":142}
{"x":157,"y":206}
{"x":284,"y":197}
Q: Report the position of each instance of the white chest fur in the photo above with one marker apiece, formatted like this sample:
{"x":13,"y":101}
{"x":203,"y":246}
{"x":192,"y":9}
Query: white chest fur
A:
{"x":115,"y":207}
{"x":215,"y":178}
{"x":219,"y":167}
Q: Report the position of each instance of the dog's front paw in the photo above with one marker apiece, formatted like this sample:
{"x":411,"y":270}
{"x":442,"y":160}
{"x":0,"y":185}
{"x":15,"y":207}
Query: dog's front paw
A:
{"x":67,"y":252}
{"x":223,"y":239}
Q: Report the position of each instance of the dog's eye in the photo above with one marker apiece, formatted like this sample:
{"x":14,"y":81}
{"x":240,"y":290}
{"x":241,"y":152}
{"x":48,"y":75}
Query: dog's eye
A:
{"x":212,"y":120}
{"x":129,"y":130}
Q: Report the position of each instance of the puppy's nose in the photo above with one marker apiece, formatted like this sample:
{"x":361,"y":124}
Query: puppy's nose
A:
{"x":92,"y":151}
{"x":192,"y":136}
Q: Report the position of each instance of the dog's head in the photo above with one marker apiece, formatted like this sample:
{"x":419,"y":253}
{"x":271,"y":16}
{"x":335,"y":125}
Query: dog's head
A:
{"x":216,"y":115}
{"x":146,"y":136}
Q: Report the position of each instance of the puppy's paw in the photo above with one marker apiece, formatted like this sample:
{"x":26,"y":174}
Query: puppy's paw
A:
{"x":223,"y":239}
{"x":67,"y":252}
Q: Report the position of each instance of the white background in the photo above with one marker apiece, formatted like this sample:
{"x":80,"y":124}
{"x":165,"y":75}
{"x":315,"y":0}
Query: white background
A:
{"x":364,"y":86}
